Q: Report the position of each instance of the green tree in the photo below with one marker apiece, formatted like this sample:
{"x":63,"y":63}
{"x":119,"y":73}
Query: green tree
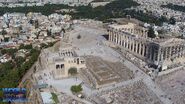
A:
{"x":172,"y":21}
{"x":55,"y":98}
{"x":6,"y":39}
{"x":174,"y":7}
{"x":76,"y":88}
{"x":29,"y":46}
{"x":151,"y":33}
{"x":11,"y":72}
{"x":21,"y":46}
{"x":49,"y":33}
{"x":36,"y":23}
{"x":72,"y":71}
{"x":31,"y":21}
{"x":3,"y":51}
{"x":4,"y":32}
{"x":79,"y":37}
{"x":10,"y":51}
{"x":19,"y":61}
{"x":43,"y":45}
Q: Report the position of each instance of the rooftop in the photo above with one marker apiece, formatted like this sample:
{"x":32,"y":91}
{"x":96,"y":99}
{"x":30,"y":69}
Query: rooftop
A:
{"x":170,"y":42}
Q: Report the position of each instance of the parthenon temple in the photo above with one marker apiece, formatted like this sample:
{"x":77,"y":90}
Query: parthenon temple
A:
{"x":159,"y":52}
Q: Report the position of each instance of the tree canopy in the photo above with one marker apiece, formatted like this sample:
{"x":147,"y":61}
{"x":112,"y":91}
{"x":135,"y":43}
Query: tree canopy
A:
{"x":172,"y":21}
{"x":22,"y":46}
{"x":11,"y":72}
{"x":10,"y":51}
{"x":151,"y":33}
{"x":174,"y":7}
{"x":45,"y":10}
{"x":72,"y":71}
{"x":115,"y":9}
{"x":79,"y":37}
{"x":76,"y":88}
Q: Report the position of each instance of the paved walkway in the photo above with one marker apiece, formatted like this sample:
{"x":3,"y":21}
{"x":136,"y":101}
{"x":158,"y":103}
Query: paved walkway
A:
{"x":170,"y":71}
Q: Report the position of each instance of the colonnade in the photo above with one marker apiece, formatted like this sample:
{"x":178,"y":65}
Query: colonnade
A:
{"x":142,"y":33}
{"x":141,"y":47}
{"x":128,"y":42}
{"x":165,"y":53}
{"x":172,"y":52}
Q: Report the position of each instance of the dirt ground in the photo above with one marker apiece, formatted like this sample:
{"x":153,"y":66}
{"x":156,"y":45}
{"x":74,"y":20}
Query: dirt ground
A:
{"x":105,"y":72}
{"x":137,"y":93}
{"x":174,"y":86}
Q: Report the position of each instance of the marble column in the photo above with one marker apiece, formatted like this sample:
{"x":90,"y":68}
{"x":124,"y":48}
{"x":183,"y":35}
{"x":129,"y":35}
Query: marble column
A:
{"x":173,"y":53}
{"x":115,"y":37}
{"x":136,"y":46}
{"x":127,"y":43}
{"x":124,"y":42}
{"x":130,"y":44}
{"x":110,"y":35}
{"x":150,"y":53}
{"x":143,"y":48}
{"x":179,"y":51}
{"x":166,"y":51}
{"x":153,"y":54}
{"x":134,"y":42}
{"x":159,"y":54}
{"x":182,"y":51}
{"x":121,"y":39}
{"x":170,"y":52}
{"x":140,"y":47}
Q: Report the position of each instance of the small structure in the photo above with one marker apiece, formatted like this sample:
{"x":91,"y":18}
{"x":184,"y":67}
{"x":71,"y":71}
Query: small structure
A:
{"x":5,"y":58}
{"x":96,"y":4}
{"x":47,"y":98}
{"x":66,"y":60}
{"x":22,"y":53}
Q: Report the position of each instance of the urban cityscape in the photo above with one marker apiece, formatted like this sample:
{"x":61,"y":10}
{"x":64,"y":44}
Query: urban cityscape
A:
{"x":92,"y":52}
